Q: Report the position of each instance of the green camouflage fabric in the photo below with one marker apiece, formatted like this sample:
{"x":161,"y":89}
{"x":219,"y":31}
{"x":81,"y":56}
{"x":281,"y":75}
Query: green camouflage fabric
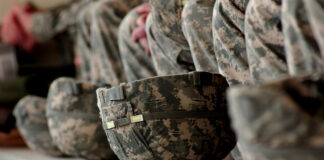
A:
{"x":196,"y":23}
{"x":73,"y":120}
{"x":169,"y":48}
{"x":302,"y":50}
{"x":88,"y":70}
{"x":229,"y":40}
{"x":168,"y":117}
{"x":93,"y":24}
{"x":32,"y":124}
{"x":229,"y":45}
{"x":282,"y":120}
{"x":97,"y":44}
{"x":136,"y":63}
{"x":315,"y":13}
{"x":264,"y":41}
{"x":46,"y":25}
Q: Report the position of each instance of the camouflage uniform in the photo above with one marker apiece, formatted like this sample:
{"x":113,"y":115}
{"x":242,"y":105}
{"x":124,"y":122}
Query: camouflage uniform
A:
{"x":168,"y":117}
{"x":136,"y":63}
{"x":46,"y":25}
{"x":264,"y":41}
{"x":281,"y":120}
{"x":302,"y":49}
{"x":94,"y":26}
{"x":32,"y":124}
{"x":315,"y":13}
{"x":196,"y":22}
{"x":268,"y":57}
{"x":101,"y":40}
{"x":73,"y":120}
{"x":229,"y":40}
{"x":169,"y":48}
{"x":180,"y":39}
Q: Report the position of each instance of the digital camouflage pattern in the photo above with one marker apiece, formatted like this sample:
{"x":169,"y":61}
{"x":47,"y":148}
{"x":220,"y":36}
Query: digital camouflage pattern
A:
{"x":184,"y":117}
{"x":169,"y":48}
{"x":32,"y":124}
{"x":229,"y":40}
{"x":301,"y":48}
{"x":179,"y":38}
{"x":196,"y":23}
{"x":73,"y":120}
{"x":136,"y":63}
{"x":229,"y":45}
{"x":97,"y":44}
{"x":265,"y":41}
{"x":315,"y":13}
{"x":94,"y":26}
{"x":281,"y":120}
{"x":46,"y":25}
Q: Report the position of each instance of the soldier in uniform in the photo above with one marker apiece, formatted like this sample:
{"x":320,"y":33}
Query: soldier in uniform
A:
{"x":280,"y":42}
{"x":93,"y":25}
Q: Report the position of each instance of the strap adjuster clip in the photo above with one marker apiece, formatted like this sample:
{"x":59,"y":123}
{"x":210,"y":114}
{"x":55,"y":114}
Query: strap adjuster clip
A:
{"x":110,"y":124}
{"x":136,"y":119}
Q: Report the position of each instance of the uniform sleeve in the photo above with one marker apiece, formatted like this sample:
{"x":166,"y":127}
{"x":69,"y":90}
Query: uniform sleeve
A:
{"x":48,"y":24}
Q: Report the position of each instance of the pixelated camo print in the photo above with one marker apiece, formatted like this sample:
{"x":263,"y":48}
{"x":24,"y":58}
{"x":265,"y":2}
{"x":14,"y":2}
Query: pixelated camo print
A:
{"x":168,"y":138}
{"x":229,"y":40}
{"x":264,"y":41}
{"x":96,"y":40}
{"x":281,"y":120}
{"x":46,"y":25}
{"x":32,"y":124}
{"x":169,"y":49}
{"x":315,"y":12}
{"x":93,"y":24}
{"x":196,"y":23}
{"x":74,"y":121}
{"x":136,"y":63}
{"x":302,"y":50}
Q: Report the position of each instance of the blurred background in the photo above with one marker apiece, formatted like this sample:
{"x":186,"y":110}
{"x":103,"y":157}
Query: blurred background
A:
{"x":5,"y":4}
{"x":23,"y":73}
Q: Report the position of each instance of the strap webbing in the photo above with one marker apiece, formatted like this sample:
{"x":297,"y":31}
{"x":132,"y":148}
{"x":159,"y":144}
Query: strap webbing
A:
{"x":117,"y":93}
{"x":164,"y":115}
{"x":282,"y":150}
{"x":32,"y":127}
{"x":92,"y":116}
{"x":73,"y":88}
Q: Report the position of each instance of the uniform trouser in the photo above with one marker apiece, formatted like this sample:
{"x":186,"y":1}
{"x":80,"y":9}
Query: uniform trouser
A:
{"x":229,"y":40}
{"x":196,"y":20}
{"x":47,"y":25}
{"x":180,"y":36}
{"x":264,"y":41}
{"x":137,"y":65}
{"x":315,"y":13}
{"x":280,"y":40}
{"x":229,"y":45}
{"x":169,"y":48}
{"x":97,"y":43}
{"x":275,"y":121}
{"x":249,"y":48}
{"x":302,"y":40}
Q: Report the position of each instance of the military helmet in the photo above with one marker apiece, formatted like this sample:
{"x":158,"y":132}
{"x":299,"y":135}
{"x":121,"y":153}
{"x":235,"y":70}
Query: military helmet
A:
{"x":73,"y":119}
{"x":169,"y":117}
{"x":32,"y":124}
{"x":281,"y":120}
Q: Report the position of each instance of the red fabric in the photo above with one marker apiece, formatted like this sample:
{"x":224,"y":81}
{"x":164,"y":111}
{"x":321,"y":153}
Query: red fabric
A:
{"x":13,"y":139}
{"x":139,"y":34}
{"x":16,"y":27}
